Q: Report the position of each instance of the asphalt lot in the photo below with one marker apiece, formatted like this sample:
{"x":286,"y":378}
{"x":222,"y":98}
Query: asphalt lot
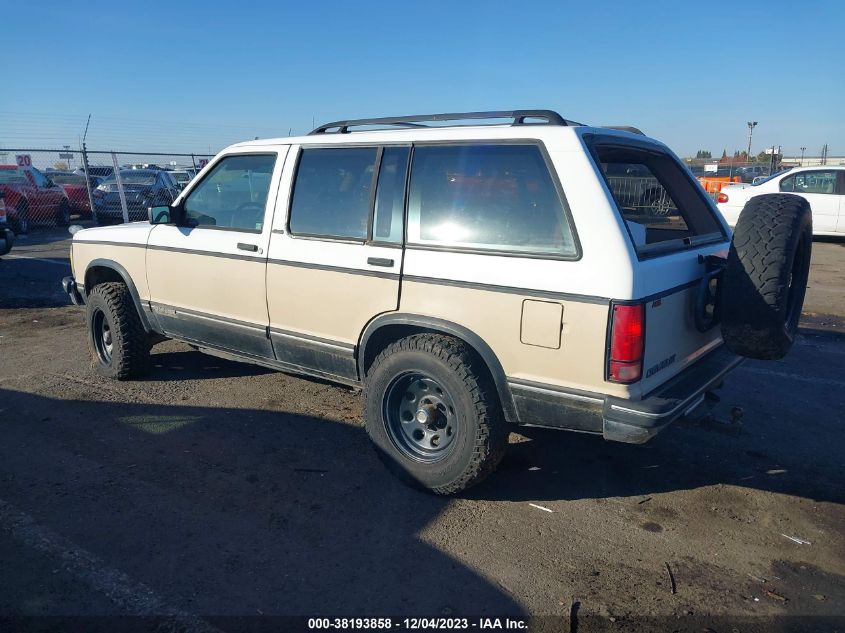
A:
{"x":215,"y":489}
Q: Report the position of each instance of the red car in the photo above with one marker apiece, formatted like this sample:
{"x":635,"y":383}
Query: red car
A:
{"x":32,"y":197}
{"x":76,"y":190}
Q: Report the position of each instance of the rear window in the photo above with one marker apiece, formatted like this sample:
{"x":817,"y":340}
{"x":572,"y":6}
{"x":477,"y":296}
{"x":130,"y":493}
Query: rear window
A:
{"x":662,"y":207}
{"x":12,"y":177}
{"x":133,"y":177}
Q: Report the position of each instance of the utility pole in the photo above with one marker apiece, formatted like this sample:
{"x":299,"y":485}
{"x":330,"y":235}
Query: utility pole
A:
{"x":751,"y":126}
{"x":801,"y":164}
{"x":824,"y":154}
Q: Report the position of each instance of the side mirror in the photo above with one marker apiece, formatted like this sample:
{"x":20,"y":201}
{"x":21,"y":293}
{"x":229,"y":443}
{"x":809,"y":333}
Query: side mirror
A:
{"x":160,"y":215}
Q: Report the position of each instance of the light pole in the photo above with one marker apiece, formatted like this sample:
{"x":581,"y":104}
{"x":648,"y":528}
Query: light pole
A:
{"x":801,"y":164}
{"x":751,"y":126}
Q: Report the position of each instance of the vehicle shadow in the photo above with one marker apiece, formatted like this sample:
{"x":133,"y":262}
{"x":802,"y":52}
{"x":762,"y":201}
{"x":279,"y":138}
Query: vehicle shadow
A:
{"x":229,"y":511}
{"x":789,"y":442}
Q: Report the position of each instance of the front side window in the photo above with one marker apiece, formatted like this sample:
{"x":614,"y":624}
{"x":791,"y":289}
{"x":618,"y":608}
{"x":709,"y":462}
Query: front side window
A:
{"x":486,"y":197}
{"x":233,"y":195}
{"x":810,"y":182}
{"x":331,"y":193}
{"x":660,"y":204}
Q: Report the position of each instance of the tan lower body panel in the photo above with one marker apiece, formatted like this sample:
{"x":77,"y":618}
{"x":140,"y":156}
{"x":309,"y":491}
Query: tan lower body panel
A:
{"x":497,"y":317}
{"x":219,"y":286}
{"x":326,"y":303}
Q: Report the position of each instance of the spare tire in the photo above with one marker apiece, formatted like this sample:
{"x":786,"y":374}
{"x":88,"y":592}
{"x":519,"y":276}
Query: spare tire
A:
{"x":763,"y":285}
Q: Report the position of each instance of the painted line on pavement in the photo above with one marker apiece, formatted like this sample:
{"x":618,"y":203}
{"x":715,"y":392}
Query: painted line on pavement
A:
{"x":133,"y":598}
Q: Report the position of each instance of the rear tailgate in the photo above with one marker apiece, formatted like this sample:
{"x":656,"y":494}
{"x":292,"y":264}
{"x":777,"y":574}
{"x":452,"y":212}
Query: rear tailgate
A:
{"x":673,"y":341}
{"x":673,"y":225}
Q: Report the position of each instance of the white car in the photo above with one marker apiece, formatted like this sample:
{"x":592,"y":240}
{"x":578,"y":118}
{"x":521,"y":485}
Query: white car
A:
{"x":823,"y":186}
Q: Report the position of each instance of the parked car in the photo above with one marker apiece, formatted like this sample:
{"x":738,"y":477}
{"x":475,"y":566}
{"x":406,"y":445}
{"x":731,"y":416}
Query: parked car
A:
{"x":823,"y":187}
{"x":76,"y":190}
{"x":143,"y":188}
{"x":530,"y":293}
{"x":750,"y":172}
{"x":7,"y":237}
{"x":31,"y":197}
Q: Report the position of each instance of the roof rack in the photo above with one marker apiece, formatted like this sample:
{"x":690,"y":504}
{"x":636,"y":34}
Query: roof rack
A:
{"x":549,"y":117}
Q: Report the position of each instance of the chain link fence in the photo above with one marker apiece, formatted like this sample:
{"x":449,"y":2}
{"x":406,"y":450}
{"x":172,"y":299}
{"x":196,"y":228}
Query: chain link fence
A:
{"x":44,"y":188}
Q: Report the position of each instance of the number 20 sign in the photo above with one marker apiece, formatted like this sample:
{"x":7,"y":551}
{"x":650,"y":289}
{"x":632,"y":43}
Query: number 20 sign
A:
{"x":24,"y":160}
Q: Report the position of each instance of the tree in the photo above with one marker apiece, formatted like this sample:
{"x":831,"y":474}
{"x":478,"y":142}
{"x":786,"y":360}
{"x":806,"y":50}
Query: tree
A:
{"x":703,"y":153}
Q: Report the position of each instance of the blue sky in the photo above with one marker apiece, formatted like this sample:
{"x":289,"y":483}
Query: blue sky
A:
{"x":188,"y":76}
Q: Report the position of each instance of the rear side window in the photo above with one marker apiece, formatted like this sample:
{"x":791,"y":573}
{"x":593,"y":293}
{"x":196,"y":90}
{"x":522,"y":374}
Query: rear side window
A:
{"x":487,"y":197}
{"x":331,"y":194}
{"x":661,"y":205}
{"x":810,"y":182}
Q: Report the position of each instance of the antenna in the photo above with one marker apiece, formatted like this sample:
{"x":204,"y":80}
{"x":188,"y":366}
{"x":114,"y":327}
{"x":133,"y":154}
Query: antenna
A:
{"x":84,"y":136}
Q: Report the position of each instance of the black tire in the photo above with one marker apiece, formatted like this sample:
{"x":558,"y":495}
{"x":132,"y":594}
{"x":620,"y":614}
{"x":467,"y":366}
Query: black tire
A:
{"x":63,"y":213}
{"x":480,"y":430}
{"x":763,"y":287}
{"x":119,"y":346}
{"x":20,"y":225}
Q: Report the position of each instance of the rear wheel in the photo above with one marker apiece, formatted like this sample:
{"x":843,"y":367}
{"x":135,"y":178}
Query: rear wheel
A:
{"x":63,"y":213}
{"x":119,"y":345}
{"x":433,"y":414}
{"x":763,"y":287}
{"x":20,"y":223}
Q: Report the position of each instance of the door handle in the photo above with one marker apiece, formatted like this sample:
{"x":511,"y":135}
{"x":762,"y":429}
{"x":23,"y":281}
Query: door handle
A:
{"x":380,"y":261}
{"x":247,"y":247}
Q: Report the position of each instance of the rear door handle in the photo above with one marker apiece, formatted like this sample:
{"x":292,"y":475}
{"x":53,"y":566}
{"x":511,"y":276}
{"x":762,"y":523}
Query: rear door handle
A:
{"x":247,"y":247}
{"x":380,"y":261}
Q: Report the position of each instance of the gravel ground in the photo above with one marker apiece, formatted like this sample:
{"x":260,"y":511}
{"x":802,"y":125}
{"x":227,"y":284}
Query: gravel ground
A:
{"x":215,"y":490}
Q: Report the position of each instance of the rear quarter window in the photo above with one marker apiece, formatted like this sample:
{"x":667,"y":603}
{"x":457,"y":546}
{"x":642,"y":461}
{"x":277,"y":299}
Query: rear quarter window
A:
{"x":487,"y":197}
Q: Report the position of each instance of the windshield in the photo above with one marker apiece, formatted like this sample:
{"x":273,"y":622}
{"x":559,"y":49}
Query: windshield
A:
{"x":180,"y":176}
{"x":761,"y":181}
{"x":67,"y":179}
{"x":133,"y":177}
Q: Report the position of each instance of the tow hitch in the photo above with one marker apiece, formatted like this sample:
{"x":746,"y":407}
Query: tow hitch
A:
{"x":702,"y":418}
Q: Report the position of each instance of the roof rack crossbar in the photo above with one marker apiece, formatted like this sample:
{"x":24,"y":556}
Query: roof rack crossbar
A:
{"x":547,"y":117}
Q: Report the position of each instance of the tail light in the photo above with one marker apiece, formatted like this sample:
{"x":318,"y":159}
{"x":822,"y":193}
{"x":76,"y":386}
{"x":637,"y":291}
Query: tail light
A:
{"x":722,"y":197}
{"x":627,"y":336}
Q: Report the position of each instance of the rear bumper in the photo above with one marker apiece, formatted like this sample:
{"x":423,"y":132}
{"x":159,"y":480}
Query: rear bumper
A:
{"x":638,"y":421}
{"x":7,"y":240}
{"x":72,"y":291}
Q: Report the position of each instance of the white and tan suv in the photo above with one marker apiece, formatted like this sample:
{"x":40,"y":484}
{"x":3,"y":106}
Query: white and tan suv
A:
{"x":469,"y":277}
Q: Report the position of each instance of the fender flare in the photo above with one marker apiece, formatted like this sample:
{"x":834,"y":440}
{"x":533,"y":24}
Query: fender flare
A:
{"x":127,"y":279}
{"x":433,"y":324}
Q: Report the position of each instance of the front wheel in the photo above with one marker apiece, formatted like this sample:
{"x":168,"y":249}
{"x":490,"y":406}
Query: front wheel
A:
{"x":119,"y":345}
{"x":433,"y":414}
